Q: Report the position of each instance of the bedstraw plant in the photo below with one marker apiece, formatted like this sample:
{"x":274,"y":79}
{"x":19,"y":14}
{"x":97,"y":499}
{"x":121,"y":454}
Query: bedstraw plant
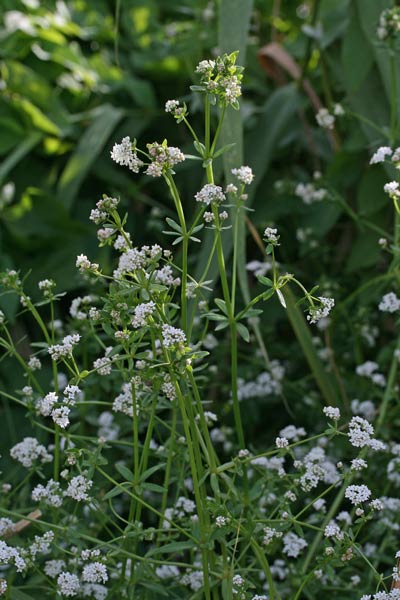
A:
{"x":136,"y":481}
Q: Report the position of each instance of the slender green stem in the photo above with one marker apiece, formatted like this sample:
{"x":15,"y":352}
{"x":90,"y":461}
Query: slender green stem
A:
{"x":393,"y":103}
{"x":185,"y":243}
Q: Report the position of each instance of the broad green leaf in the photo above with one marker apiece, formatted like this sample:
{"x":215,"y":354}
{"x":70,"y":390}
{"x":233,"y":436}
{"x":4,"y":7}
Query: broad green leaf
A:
{"x":89,"y":147}
{"x":18,"y":154}
{"x":304,"y":337}
{"x":35,"y":116}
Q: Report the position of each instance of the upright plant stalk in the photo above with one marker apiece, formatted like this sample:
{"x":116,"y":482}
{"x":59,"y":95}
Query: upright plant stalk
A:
{"x":224,"y":283}
{"x":185,"y":243}
{"x":393,"y":81}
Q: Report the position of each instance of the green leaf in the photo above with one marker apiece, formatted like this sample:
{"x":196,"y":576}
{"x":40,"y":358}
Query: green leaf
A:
{"x":153,"y":487}
{"x":174,"y":225}
{"x":89,"y":147}
{"x":146,"y":474}
{"x":265,"y":280}
{"x":224,"y":149}
{"x":172,"y":548}
{"x":116,"y":491}
{"x":221,"y":305}
{"x":243,"y":331}
{"x":125,"y":472}
{"x":19,"y":153}
{"x":201,"y":149}
{"x":304,"y":337}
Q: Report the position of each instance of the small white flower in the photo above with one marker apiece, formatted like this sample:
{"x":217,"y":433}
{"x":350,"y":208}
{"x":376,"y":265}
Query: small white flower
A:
{"x":325,"y":119}
{"x":95,"y":572}
{"x":210,"y":193}
{"x":380,"y":155}
{"x":293,"y":545}
{"x":123,"y":155}
{"x":331,"y":412}
{"x":392,"y":189}
{"x":357,"y":494}
{"x":316,"y":313}
{"x":243,"y":174}
{"x":270,"y":234}
{"x":389,"y":303}
{"x":68,"y":584}
{"x":78,"y":488}
{"x":281,"y":442}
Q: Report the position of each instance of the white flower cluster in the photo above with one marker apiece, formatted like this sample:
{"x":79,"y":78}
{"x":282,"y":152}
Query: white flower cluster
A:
{"x":332,"y":530}
{"x":317,"y":467}
{"x":316,"y":313}
{"x":10,"y":556}
{"x":65,"y":348}
{"x":380,"y":155}
{"x":103,"y":365}
{"x":331,"y":412}
{"x":163,"y":158}
{"x":30,"y":450}
{"x":325,"y":119}
{"x":173,"y":107}
{"x":293,"y":545}
{"x":40,"y":545}
{"x":7,"y":527}
{"x":392,"y":189}
{"x":95,"y":572}
{"x":221,"y":521}
{"x":84,"y":264}
{"x":357,"y":494}
{"x":360,"y":434}
{"x":394,"y":594}
{"x":50,"y":494}
{"x":141,"y":313}
{"x":78,"y":488}
{"x":281,"y":442}
{"x":60,"y":414}
{"x":172,"y":336}
{"x":123,"y":155}
{"x":370,"y":369}
{"x":183,"y":507}
{"x":389,"y":303}
{"x":124,"y":402}
{"x":309,"y":193}
{"x":222,"y":78}
{"x":193,"y":579}
{"x":78,"y":304}
{"x":389,"y":25}
{"x":165,"y":276}
{"x":270,"y":533}
{"x":358,"y":464}
{"x":243,"y":174}
{"x":46,"y":286}
{"x":168,"y":388}
{"x":271,"y":236}
{"x":103,"y":207}
{"x":68,"y":584}
{"x":167,"y":571}
{"x":210,"y":193}
{"x":265,"y":384}
{"x":365,"y":408}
